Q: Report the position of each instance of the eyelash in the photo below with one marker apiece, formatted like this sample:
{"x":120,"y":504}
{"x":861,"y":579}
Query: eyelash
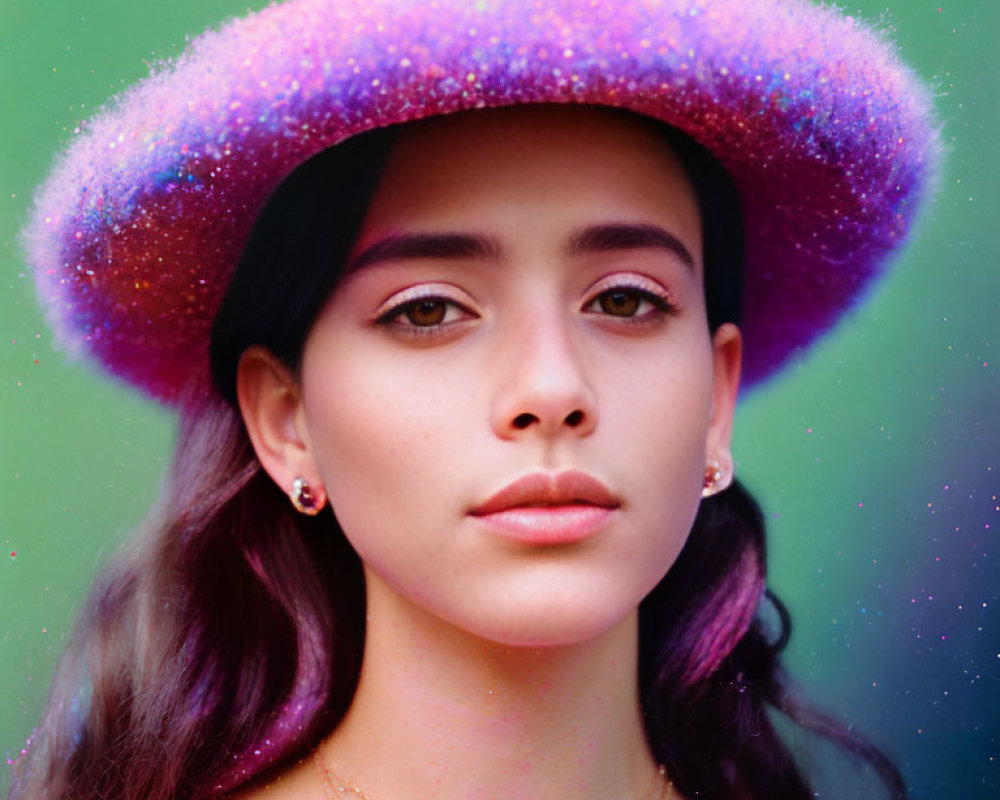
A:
{"x":410,"y":302}
{"x":636,"y":287}
{"x":662,"y":304}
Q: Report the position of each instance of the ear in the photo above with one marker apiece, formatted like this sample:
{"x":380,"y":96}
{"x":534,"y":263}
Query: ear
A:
{"x":271,"y":405}
{"x":727,"y":356}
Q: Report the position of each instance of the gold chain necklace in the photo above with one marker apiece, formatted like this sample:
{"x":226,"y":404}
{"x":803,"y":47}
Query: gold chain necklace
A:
{"x":336,"y":787}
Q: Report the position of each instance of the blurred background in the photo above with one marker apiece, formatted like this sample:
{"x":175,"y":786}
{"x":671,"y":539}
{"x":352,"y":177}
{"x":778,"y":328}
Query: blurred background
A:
{"x":877,"y":460}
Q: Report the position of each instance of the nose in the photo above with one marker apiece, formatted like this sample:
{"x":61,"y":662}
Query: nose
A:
{"x":542,"y":386}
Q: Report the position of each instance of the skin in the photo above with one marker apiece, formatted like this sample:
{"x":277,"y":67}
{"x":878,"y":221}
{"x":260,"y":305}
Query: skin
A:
{"x":432,"y":380}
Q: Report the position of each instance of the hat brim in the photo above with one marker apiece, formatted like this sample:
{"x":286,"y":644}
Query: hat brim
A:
{"x":829,"y":137}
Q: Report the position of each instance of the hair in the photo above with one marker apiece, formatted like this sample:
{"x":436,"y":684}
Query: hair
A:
{"x":226,"y":640}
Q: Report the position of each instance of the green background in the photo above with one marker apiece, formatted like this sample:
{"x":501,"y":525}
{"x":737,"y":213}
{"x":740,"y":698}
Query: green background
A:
{"x":875,"y":460}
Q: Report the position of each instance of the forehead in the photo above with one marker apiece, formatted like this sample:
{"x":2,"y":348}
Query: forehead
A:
{"x":533,"y":165}
{"x":511,"y":129}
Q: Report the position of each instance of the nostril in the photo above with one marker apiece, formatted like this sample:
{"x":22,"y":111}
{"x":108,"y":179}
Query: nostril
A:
{"x":574,"y":418}
{"x":522,"y":421}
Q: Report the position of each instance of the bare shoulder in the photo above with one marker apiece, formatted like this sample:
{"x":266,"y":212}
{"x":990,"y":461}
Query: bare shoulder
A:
{"x":298,"y":781}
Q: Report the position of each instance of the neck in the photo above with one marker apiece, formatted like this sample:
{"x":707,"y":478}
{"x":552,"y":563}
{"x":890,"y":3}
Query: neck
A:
{"x":442,"y":713}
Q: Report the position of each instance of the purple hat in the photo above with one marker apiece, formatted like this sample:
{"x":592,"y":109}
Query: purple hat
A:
{"x":830,"y":140}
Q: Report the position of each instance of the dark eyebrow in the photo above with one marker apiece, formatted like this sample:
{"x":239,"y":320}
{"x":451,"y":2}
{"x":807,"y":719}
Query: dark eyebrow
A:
{"x":410,"y":246}
{"x":626,"y":236}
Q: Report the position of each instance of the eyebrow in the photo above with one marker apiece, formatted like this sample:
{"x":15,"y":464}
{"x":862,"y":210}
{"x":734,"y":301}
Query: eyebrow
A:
{"x":627,"y":236}
{"x":412,"y":246}
{"x":457,"y":246}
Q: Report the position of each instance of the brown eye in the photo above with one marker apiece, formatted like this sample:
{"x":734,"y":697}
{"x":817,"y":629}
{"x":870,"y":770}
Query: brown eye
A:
{"x":425,"y":313}
{"x":619,"y":303}
{"x":428,"y":315}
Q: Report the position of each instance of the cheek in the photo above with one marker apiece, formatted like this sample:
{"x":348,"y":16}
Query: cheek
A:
{"x":661,"y":397}
{"x":660,"y":436}
{"x":384,"y":436}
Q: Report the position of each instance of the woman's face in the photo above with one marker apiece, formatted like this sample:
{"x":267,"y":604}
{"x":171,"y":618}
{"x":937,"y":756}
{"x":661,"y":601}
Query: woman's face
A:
{"x":524,"y":301}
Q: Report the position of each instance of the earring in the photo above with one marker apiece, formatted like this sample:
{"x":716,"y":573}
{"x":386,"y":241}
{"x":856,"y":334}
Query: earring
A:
{"x":713,"y":478}
{"x":303,"y":499}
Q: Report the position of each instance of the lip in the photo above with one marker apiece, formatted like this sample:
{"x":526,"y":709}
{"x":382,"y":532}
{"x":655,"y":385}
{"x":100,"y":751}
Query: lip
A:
{"x":549,"y":508}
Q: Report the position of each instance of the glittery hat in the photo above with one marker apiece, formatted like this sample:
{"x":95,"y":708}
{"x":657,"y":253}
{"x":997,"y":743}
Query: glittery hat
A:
{"x":829,"y":138}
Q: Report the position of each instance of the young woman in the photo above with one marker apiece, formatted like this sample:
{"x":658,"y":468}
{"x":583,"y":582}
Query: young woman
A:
{"x":452,"y":510}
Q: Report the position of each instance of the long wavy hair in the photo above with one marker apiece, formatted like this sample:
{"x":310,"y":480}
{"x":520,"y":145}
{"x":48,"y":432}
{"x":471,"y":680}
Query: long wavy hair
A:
{"x":225,"y":640}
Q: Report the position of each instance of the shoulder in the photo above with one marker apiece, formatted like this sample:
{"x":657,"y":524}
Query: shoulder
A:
{"x":297,"y":782}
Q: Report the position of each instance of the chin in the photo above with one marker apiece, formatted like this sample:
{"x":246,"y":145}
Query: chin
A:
{"x":554,"y":621}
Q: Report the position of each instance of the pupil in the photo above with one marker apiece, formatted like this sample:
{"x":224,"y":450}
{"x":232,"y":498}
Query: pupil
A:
{"x":426,"y":312}
{"x":620,"y":304}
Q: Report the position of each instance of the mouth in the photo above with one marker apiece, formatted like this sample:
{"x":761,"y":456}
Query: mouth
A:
{"x":549,"y":509}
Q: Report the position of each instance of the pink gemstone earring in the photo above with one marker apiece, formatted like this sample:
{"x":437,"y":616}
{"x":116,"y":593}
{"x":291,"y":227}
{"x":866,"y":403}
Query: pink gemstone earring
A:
{"x":303,"y":499}
{"x":713,"y":479}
